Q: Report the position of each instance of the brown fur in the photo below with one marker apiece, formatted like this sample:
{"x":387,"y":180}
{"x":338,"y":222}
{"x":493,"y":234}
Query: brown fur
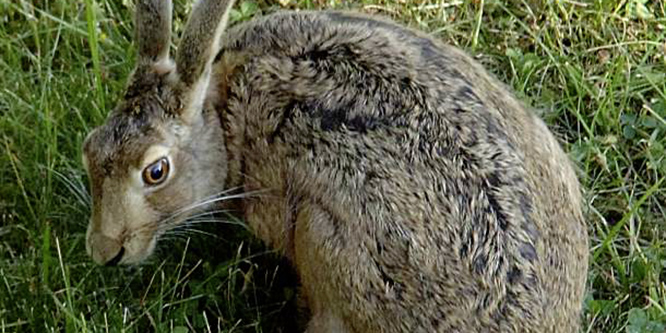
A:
{"x":411,"y":191}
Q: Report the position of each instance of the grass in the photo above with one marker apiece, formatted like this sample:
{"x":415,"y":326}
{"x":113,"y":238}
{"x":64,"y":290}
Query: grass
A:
{"x":594,"y":70}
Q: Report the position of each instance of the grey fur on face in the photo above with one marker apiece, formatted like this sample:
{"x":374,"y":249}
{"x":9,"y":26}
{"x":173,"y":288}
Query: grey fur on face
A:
{"x":410,"y":189}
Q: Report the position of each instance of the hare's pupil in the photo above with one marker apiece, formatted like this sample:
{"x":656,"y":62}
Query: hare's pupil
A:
{"x":156,"y":172}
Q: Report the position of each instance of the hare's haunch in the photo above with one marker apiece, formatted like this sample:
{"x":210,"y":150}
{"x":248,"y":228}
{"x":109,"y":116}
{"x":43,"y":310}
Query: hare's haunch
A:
{"x":409,"y":188}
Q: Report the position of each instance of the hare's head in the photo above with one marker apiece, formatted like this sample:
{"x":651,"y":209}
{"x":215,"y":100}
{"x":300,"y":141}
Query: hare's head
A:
{"x":159,"y":152}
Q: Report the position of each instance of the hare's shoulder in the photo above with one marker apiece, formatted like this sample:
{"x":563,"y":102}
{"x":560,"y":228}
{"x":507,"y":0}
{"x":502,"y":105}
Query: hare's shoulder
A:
{"x":332,"y":61}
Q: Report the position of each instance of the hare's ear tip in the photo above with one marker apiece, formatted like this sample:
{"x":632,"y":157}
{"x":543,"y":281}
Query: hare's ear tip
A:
{"x":152,"y":26}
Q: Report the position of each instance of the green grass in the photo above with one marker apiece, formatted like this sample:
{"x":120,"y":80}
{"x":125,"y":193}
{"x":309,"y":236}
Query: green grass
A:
{"x":595,"y":70}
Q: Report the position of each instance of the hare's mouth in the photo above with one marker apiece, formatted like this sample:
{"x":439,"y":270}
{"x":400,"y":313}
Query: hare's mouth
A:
{"x":116,"y":260}
{"x":134,"y":251}
{"x":108,"y":251}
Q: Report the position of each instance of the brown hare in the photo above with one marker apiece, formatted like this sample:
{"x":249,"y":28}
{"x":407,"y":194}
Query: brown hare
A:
{"x":411,"y":191}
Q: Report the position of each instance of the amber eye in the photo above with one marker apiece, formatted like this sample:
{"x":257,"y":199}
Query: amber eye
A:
{"x":157,"y":172}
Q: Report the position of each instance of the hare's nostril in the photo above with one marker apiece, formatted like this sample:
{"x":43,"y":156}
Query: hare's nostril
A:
{"x":117,"y":258}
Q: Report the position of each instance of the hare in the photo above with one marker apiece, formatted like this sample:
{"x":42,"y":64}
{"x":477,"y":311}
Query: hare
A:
{"x":408,"y":187}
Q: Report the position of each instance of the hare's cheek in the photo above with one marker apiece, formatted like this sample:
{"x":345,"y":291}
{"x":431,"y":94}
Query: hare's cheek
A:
{"x":140,"y":224}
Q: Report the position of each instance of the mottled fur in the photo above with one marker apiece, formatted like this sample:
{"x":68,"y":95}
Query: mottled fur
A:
{"x":411,"y":191}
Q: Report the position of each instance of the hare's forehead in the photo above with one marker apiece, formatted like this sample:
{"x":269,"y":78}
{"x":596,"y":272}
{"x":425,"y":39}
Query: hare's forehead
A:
{"x":120,"y":145}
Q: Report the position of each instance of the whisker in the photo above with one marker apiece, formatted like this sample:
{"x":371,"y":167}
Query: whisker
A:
{"x":212,"y":196}
{"x":79,"y":190}
{"x":187,"y":225}
{"x":184,"y":231}
{"x":215,"y":221}
{"x":80,"y":222}
{"x":191,"y":207}
{"x":174,"y":237}
{"x":228,"y":197}
{"x":206,"y":202}
{"x":210,"y":215}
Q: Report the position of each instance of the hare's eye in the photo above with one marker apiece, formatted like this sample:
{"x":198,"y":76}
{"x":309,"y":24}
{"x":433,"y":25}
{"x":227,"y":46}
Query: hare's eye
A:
{"x":157,"y":172}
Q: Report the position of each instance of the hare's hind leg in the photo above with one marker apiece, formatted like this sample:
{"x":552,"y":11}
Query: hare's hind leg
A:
{"x":319,"y":270}
{"x":326,"y":322}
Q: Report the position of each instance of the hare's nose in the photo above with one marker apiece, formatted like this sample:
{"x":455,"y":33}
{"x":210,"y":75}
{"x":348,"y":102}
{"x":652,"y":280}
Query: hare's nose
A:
{"x":105,"y":250}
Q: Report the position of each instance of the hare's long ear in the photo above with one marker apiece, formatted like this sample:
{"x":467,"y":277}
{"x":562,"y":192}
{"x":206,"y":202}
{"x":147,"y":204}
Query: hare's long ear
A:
{"x":198,"y":47}
{"x":153,"y":31}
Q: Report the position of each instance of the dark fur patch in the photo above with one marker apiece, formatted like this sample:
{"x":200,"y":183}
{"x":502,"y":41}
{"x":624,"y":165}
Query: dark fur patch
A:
{"x":514,"y":275}
{"x":528,"y":251}
{"x":331,"y":119}
{"x":286,"y":115}
{"x":526,"y":210}
{"x":388,"y":281}
{"x":334,"y":119}
{"x":494,"y":183}
{"x":464,"y":249}
{"x":480,"y":263}
{"x":465,"y":93}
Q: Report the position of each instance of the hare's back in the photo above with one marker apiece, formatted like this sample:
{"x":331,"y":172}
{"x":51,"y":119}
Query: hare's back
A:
{"x":458,"y":201}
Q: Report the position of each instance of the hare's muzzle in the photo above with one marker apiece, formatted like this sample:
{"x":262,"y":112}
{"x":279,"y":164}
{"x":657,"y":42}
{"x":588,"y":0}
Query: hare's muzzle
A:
{"x":105,"y":250}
